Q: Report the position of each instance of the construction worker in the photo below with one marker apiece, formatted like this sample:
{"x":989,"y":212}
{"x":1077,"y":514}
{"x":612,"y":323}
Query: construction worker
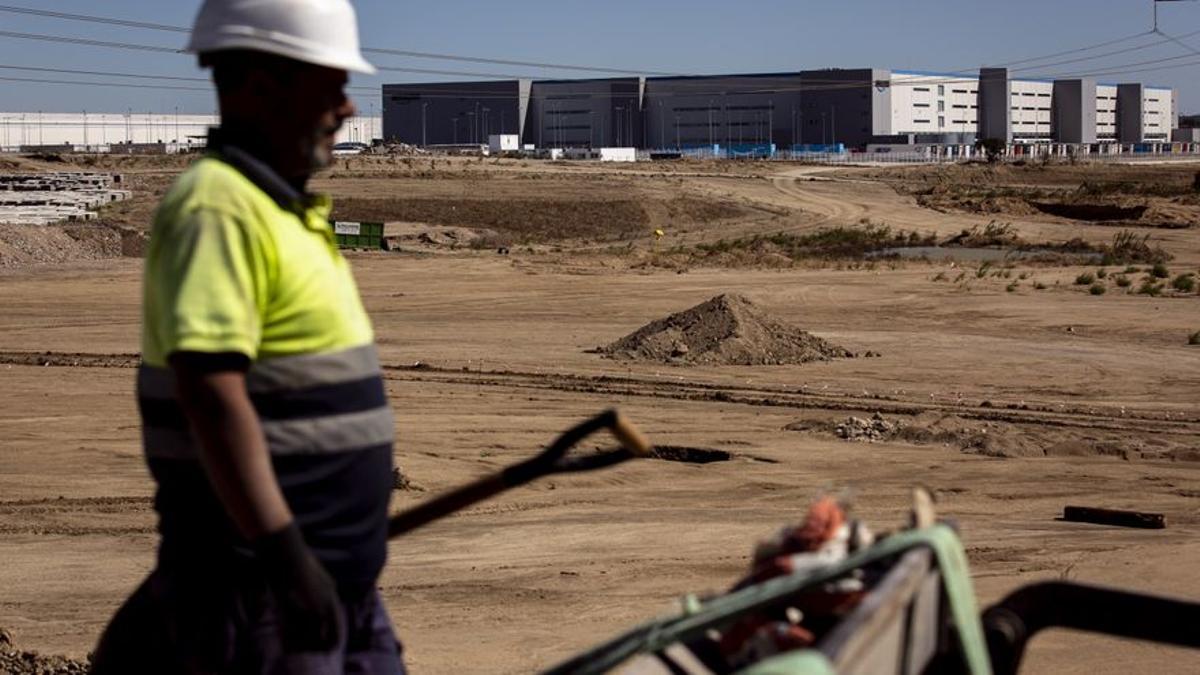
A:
{"x":265,"y":421}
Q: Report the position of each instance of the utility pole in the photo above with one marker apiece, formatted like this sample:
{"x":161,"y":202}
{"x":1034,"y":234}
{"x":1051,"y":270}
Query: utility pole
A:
{"x":833,"y":124}
{"x":678,"y":145}
{"x":85,"y":131}
{"x":424,"y":138}
{"x":40,"y":141}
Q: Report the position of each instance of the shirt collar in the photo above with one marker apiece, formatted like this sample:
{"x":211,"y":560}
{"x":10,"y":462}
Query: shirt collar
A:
{"x":257,"y":171}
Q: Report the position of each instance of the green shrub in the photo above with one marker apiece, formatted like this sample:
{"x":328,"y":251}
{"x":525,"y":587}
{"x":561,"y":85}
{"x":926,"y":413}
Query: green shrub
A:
{"x":1184,"y":283}
{"x":1039,"y":286}
{"x":1098,"y":289}
{"x":1160,"y":271}
{"x":1194,"y":338}
{"x":1150,"y":288}
{"x":1101,"y":273}
{"x":1011,"y":287}
{"x":1123,"y":281}
{"x":1084,"y":279}
{"x":1132,"y":270}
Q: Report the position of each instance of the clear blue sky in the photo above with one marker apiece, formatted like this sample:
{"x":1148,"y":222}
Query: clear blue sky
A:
{"x":684,"y":36}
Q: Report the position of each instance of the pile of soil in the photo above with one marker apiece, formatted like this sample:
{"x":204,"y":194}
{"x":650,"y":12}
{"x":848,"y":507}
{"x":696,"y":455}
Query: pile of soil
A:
{"x":23,"y":245}
{"x":17,"y":662}
{"x":726,"y":330}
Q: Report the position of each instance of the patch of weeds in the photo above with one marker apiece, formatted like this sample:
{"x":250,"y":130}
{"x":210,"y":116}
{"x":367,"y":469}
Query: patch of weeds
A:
{"x":837,"y":243}
{"x":1101,"y":273}
{"x":1132,"y":270}
{"x":1127,"y":247}
{"x":1123,"y":281}
{"x":1194,"y":338}
{"x":1011,"y":287}
{"x":1084,"y":279}
{"x":1098,"y":289}
{"x":983,"y":269}
{"x":960,"y":277}
{"x":1184,"y":283}
{"x":940,"y":276}
{"x":1039,"y":286}
{"x":1023,"y":276}
{"x":993,"y":234}
{"x":1150,"y":288}
{"x":1160,"y":271}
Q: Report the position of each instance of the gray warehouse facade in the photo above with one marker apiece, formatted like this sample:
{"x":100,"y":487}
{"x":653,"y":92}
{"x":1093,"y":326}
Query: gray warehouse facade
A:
{"x":854,"y":107}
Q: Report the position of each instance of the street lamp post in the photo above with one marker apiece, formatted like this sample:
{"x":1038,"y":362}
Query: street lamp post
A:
{"x":662,"y":127}
{"x":770,"y":122}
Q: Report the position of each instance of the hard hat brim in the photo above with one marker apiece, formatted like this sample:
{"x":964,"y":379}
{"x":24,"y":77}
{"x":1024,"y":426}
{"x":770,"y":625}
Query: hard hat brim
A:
{"x":228,"y":41}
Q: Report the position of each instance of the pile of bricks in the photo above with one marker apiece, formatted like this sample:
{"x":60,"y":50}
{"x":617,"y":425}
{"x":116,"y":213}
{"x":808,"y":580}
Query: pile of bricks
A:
{"x":45,"y":198}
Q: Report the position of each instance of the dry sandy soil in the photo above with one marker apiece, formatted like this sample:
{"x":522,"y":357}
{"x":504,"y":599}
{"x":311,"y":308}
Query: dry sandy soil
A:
{"x":1089,"y":400}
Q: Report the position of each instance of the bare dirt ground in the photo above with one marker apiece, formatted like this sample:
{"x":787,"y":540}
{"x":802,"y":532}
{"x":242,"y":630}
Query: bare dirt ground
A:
{"x":1083,"y":399}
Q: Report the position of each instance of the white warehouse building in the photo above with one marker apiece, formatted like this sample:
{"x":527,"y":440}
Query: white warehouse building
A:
{"x":1039,"y":111}
{"x":104,"y":131}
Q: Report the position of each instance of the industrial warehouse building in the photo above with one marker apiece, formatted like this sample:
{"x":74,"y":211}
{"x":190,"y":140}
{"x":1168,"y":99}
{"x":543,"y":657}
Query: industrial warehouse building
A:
{"x":854,"y":107}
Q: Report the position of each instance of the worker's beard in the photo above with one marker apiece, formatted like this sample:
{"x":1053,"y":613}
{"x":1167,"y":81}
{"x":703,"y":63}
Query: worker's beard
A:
{"x":319,"y":150}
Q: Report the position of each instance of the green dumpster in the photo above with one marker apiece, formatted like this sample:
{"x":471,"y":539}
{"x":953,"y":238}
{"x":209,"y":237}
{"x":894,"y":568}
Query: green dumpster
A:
{"x":358,"y":235}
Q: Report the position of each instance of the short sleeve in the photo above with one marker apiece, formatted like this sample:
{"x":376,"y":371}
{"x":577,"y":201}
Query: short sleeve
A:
{"x":211,"y":283}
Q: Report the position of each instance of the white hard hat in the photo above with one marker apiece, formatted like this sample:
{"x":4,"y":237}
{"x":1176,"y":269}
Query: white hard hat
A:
{"x":321,"y":32}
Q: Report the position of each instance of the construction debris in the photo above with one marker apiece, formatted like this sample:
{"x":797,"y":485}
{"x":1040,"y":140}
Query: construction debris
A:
{"x":726,"y":330}
{"x":14,"y":661}
{"x":867,"y":430}
{"x":41,"y":199}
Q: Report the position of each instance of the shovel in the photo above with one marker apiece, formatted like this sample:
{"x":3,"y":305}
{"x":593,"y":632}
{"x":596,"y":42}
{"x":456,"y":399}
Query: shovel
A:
{"x":550,"y":461}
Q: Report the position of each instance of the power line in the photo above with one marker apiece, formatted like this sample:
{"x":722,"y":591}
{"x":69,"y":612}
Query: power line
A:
{"x":88,"y":18}
{"x":105,"y":84}
{"x":826,"y":85}
{"x":1103,"y":54}
{"x":90,"y":43}
{"x":140,"y":76}
{"x":91,"y":19}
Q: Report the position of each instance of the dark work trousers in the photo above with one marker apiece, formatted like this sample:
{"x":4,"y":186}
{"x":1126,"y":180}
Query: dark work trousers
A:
{"x":187,"y":623}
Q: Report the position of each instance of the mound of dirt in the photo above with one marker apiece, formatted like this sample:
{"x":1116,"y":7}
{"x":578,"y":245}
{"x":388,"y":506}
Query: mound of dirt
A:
{"x":726,"y":330}
{"x":992,"y":439}
{"x":17,"y":662}
{"x":23,"y":245}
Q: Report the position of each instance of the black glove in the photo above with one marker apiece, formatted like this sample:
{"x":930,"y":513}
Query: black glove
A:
{"x":309,"y":607}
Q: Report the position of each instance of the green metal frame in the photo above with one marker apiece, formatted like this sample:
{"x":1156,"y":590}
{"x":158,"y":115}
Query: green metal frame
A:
{"x":957,"y":591}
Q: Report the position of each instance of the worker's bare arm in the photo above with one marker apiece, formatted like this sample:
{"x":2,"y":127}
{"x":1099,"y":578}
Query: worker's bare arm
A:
{"x":233,"y":448}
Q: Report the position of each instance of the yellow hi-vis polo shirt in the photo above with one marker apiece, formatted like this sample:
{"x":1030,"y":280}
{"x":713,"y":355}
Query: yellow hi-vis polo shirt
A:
{"x":239,"y":261}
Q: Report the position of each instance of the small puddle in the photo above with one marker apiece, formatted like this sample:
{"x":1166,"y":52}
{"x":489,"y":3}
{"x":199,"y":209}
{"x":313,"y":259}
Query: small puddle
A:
{"x":967,"y":254}
{"x":681,"y":453}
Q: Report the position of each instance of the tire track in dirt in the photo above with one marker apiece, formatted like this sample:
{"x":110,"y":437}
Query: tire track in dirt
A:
{"x":1093,"y":417}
